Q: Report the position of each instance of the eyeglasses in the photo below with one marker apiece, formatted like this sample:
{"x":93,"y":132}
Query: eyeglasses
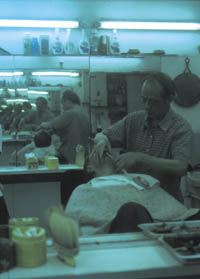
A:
{"x":152,"y":102}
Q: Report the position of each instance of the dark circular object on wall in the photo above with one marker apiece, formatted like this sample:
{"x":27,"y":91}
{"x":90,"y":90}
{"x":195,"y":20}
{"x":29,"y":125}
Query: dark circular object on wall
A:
{"x":187,"y":87}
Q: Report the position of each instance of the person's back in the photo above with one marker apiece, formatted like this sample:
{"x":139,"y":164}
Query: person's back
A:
{"x":74,"y":131}
{"x":72,"y":126}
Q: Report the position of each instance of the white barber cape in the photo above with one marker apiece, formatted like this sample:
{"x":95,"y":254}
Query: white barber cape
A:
{"x":94,"y":204}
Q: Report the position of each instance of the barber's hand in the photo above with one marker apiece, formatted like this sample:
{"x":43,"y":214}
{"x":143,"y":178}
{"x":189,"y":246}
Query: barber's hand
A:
{"x":45,"y":125}
{"x":128,"y":160}
{"x":100,"y":146}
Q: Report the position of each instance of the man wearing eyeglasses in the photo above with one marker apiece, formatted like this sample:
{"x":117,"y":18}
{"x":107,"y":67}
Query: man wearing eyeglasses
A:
{"x":156,"y":140}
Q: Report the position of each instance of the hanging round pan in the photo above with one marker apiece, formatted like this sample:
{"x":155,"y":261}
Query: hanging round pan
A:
{"x":187,"y":87}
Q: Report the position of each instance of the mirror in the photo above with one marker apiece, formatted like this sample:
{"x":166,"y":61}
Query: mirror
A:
{"x":18,"y":90}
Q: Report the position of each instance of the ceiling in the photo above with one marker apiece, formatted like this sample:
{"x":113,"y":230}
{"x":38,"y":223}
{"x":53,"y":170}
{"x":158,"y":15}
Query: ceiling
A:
{"x":90,"y":10}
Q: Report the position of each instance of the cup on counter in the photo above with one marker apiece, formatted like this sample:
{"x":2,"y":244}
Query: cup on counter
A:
{"x":30,"y":246}
{"x":80,"y":155}
{"x":51,"y":162}
{"x":31,"y":161}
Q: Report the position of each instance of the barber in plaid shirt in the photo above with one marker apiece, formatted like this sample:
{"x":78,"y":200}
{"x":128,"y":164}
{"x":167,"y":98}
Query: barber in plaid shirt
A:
{"x":156,"y":140}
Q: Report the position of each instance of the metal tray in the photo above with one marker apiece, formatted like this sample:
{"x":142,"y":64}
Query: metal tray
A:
{"x":155,"y":230}
{"x":180,"y":247}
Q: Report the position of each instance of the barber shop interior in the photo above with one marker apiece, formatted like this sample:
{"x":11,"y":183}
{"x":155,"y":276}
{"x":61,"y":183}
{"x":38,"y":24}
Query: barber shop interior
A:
{"x":99,"y":139}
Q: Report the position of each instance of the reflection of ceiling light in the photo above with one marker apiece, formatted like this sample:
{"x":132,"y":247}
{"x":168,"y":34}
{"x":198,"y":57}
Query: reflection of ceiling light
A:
{"x":16,"y":100}
{"x":22,"y":89}
{"x":11,"y":74}
{"x":38,"y":92}
{"x":4,"y":106}
{"x":34,"y":105}
{"x":70,"y":74}
{"x":39,"y":23}
{"x":11,"y":90}
{"x":149,"y":25}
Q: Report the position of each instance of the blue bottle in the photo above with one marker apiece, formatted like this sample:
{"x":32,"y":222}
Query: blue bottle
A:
{"x":35,"y":46}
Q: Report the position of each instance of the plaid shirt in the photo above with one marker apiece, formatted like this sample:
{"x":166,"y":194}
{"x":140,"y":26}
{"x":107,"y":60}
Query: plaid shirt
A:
{"x":170,"y":139}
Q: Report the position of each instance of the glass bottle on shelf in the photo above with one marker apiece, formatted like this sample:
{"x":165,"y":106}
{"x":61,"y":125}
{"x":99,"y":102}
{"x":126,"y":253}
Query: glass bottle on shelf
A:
{"x":84,"y":45}
{"x":57,"y":47}
{"x":69,"y":47}
{"x":35,"y":46}
{"x":94,"y":42}
{"x":27,"y":44}
{"x":44,"y":44}
{"x":115,"y":46}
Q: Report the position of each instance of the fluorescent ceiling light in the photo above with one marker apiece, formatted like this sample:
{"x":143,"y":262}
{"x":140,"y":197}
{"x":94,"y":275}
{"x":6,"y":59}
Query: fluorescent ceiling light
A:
{"x":38,"y":92}
{"x":149,"y":25}
{"x":11,"y":74}
{"x":38,"y":23}
{"x":22,"y":89}
{"x":16,"y":100}
{"x":71,"y":74}
{"x":11,"y":90}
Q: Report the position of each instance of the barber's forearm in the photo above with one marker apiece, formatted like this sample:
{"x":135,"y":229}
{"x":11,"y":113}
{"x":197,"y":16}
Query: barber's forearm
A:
{"x":152,"y":164}
{"x":29,"y":127}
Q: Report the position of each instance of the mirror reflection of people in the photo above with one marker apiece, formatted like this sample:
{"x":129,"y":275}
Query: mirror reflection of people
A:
{"x":43,"y":144}
{"x":109,"y":203}
{"x":72,"y":126}
{"x":26,"y":108}
{"x":34,"y":118}
{"x":156,"y":140}
{"x":16,"y":117}
{"x":7,"y":117}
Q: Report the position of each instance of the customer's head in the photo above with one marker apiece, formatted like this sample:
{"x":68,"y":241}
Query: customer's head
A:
{"x":42,"y":139}
{"x":69,"y":99}
{"x":41,"y":104}
{"x":157,"y":92}
{"x":26,"y":107}
{"x":18,"y":108}
{"x":96,"y":168}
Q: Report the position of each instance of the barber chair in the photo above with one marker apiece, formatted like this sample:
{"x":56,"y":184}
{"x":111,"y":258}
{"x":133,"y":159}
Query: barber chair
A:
{"x":71,"y":179}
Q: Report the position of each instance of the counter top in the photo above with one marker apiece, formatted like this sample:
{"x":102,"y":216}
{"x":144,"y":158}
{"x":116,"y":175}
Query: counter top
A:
{"x":12,"y":139}
{"x":128,"y":255}
{"x":11,"y":170}
{"x":21,"y":174}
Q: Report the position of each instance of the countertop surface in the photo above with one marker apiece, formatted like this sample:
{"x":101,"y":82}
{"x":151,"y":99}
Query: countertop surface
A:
{"x":121,"y":256}
{"x":41,"y":169}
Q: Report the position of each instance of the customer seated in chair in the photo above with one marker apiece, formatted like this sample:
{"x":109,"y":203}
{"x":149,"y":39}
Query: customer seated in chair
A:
{"x":43,"y":144}
{"x":113,"y":203}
